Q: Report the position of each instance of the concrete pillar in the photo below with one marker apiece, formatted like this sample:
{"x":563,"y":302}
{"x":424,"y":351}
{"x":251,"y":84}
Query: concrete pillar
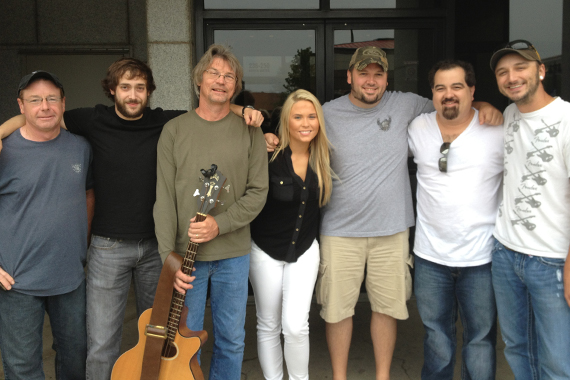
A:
{"x":170,"y":52}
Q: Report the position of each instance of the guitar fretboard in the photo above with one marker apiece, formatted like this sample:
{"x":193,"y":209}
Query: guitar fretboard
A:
{"x":178,"y":298}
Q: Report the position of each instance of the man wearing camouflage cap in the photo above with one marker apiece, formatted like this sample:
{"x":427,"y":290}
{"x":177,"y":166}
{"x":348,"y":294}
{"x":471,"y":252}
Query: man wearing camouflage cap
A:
{"x":531,"y":266}
{"x":365,"y":225}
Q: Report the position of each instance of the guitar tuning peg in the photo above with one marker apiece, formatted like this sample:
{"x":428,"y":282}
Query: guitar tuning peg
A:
{"x":220,"y":202}
{"x":196,"y":193}
{"x":201,"y":179}
{"x":227,"y":188}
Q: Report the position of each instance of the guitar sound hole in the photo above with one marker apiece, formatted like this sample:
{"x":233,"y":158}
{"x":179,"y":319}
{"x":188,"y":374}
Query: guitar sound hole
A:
{"x":169,"y":351}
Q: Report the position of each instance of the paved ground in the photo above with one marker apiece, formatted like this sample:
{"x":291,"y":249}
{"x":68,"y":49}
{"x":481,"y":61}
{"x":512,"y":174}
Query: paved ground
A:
{"x":407,"y":363}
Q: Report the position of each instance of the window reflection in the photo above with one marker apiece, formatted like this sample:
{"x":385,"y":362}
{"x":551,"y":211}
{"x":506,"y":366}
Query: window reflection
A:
{"x":261,"y":4}
{"x":370,"y":4}
{"x":541,"y":24}
{"x":409,"y":52}
{"x":275,"y":63}
{"x":378,"y":4}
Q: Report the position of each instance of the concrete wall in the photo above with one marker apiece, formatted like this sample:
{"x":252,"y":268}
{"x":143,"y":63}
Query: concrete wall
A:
{"x":35,"y":27}
{"x":170,"y":50}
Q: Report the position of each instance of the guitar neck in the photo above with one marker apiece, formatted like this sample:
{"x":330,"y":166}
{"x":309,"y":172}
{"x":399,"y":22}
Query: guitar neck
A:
{"x":191,"y":250}
{"x":178,"y":298}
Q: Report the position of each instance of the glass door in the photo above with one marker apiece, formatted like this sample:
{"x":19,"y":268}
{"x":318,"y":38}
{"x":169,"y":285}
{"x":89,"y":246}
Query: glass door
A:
{"x":411,"y":52}
{"x":279,"y":58}
{"x":275,"y":62}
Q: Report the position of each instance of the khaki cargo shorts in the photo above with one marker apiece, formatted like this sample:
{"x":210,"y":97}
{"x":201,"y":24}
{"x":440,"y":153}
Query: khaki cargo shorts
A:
{"x":387,"y":261}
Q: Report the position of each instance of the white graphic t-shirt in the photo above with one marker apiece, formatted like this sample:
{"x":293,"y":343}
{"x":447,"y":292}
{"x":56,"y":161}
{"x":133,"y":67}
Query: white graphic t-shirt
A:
{"x":534,"y":217}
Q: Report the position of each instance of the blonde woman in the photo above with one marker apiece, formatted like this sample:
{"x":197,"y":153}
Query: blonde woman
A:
{"x":285,"y":253}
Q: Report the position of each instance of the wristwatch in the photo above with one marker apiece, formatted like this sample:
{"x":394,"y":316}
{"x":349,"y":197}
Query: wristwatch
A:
{"x":243,"y":110}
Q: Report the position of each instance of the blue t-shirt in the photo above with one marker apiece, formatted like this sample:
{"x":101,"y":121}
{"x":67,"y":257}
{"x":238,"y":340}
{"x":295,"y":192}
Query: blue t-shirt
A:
{"x":43,"y":213}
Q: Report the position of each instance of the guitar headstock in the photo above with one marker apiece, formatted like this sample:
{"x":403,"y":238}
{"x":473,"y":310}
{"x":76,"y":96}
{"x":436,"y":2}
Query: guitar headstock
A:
{"x":210,"y":191}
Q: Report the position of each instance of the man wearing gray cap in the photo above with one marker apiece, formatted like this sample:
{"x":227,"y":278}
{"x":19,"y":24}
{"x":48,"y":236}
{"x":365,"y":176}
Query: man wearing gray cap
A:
{"x":531,"y":270}
{"x":365,"y":225}
{"x":46,"y":201}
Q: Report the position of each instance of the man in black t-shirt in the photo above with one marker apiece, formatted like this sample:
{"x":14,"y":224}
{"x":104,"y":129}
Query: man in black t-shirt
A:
{"x":123,"y":246}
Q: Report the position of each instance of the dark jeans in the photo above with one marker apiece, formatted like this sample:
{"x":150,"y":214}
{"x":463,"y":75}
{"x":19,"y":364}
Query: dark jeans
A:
{"x":534,"y":315}
{"x":21,"y":325}
{"x":441,"y":293}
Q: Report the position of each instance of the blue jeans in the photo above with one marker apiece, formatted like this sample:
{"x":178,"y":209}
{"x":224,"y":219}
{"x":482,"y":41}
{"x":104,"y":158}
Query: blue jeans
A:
{"x":441,"y":292}
{"x":111,"y":264}
{"x":21,"y":326}
{"x":228,"y":299}
{"x":534,"y":316}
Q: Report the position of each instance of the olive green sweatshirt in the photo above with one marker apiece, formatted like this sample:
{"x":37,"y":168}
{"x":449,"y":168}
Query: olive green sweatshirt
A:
{"x":189,"y":143}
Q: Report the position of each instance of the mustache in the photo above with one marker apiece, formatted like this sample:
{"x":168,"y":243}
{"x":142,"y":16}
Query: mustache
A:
{"x":138,"y":101}
{"x":454,"y":99}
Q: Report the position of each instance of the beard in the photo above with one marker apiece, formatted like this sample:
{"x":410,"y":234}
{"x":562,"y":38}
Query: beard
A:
{"x":366,"y":99}
{"x":526,"y":98}
{"x":450,"y":113}
{"x":126,"y":111}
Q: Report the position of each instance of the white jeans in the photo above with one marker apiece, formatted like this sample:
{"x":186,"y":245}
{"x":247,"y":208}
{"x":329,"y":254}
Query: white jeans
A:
{"x":283,"y":293}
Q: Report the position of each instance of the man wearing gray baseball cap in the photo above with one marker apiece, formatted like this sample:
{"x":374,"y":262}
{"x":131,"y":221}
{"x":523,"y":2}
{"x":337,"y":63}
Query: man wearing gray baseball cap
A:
{"x":46,"y":198}
{"x":531,"y":266}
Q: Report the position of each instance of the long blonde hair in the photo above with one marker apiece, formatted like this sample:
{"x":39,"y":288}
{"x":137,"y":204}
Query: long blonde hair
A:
{"x":319,"y":150}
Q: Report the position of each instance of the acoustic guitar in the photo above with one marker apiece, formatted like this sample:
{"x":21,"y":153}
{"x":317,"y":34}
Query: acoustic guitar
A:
{"x":178,"y":359}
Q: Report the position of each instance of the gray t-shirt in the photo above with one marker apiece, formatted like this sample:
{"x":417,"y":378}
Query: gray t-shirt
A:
{"x":369,"y":155}
{"x":43,"y":213}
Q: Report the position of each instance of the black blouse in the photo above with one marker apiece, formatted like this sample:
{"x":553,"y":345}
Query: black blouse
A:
{"x":289,"y":221}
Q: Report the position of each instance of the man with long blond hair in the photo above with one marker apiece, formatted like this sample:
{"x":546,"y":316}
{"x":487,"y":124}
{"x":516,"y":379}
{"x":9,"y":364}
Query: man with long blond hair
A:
{"x":208,"y":135}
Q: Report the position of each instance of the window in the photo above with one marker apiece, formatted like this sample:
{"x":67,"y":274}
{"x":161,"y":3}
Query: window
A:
{"x":282,"y":49}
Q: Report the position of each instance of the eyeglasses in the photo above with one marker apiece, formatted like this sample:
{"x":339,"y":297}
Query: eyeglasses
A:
{"x":444,"y":150}
{"x":522,"y":45}
{"x":37,"y":101}
{"x":214,"y":74}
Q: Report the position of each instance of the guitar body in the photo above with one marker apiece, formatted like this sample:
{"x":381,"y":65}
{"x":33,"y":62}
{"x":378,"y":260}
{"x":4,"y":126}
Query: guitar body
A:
{"x":178,"y":351}
{"x":183,"y":365}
